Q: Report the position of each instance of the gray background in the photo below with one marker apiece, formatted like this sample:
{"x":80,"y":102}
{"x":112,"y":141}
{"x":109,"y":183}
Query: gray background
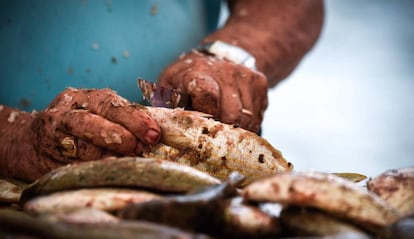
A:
{"x":348,"y":107}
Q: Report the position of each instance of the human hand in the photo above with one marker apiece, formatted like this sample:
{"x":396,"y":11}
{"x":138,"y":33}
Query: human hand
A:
{"x":89,"y":125}
{"x":231,"y":92}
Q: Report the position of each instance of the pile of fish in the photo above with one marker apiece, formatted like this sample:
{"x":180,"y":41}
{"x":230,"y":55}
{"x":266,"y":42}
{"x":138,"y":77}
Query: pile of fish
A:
{"x":206,"y":180}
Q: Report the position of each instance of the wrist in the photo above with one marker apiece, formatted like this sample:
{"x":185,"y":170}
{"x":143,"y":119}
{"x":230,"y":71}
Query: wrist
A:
{"x":242,"y":36}
{"x":17,"y":155}
{"x":230,"y":52}
{"x":277,"y":33}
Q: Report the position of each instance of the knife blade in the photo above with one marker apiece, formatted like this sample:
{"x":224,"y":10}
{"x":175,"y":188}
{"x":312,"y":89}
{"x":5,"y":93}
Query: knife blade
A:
{"x":160,"y":96}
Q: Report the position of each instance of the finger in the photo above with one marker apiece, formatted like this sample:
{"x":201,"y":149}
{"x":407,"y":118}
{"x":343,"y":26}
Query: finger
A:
{"x":111,"y":106}
{"x":251,"y":95}
{"x":230,"y":103}
{"x":99,"y":131}
{"x":70,"y":148}
{"x":259,"y":103}
{"x":192,"y":74}
{"x":174,"y":74}
{"x":136,"y":119}
{"x":88,"y":152}
{"x":47,"y":147}
{"x":204,"y":92}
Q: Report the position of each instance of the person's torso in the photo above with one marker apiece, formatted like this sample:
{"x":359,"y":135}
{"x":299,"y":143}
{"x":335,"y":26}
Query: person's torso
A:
{"x":49,"y":45}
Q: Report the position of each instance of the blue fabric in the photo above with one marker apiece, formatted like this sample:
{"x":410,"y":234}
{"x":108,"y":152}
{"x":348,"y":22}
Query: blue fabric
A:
{"x":48,"y":45}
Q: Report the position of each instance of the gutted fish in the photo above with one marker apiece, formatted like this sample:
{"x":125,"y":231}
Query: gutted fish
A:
{"x":194,"y":139}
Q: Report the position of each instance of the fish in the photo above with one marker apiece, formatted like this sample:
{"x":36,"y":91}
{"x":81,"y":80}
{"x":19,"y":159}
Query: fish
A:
{"x":324,"y":191}
{"x":13,"y":222}
{"x":402,"y":229}
{"x":215,"y":210}
{"x":354,"y":177}
{"x":151,"y":173}
{"x":241,"y":220}
{"x":301,"y":221}
{"x":78,"y":215}
{"x":396,"y":187}
{"x":9,"y":192}
{"x":105,"y":199}
{"x":195,"y":139}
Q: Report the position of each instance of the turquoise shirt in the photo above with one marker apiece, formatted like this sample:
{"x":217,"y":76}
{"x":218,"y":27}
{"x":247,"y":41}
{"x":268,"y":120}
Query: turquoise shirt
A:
{"x":48,"y":45}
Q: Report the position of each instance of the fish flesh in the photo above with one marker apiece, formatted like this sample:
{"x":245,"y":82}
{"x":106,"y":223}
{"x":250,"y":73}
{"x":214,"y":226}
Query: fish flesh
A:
{"x":195,"y":139}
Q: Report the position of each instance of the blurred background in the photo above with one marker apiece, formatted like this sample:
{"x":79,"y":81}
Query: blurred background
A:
{"x":348,"y":107}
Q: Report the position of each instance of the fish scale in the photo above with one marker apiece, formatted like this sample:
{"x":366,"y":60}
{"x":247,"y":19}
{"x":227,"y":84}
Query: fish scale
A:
{"x":195,"y":139}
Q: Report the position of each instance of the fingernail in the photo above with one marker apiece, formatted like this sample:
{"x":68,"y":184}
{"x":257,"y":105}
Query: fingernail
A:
{"x":151,"y":136}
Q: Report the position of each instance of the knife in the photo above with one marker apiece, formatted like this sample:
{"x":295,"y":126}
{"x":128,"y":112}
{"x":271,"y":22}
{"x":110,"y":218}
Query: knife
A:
{"x":160,"y":96}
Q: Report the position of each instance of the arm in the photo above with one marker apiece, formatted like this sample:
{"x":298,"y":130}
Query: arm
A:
{"x":278,"y":33}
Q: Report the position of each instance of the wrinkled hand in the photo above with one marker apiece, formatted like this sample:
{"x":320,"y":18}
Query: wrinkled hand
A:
{"x":232,"y":93}
{"x":91,"y":124}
